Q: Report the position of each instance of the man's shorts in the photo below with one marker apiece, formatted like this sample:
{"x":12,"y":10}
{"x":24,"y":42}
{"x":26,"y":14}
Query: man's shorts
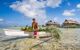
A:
{"x":35,"y":33}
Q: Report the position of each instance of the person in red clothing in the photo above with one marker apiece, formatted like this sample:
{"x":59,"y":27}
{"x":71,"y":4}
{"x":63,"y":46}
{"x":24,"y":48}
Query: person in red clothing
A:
{"x":35,"y":28}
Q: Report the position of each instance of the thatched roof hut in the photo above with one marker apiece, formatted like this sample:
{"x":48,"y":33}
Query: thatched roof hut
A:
{"x":69,"y":23}
{"x":52,"y":23}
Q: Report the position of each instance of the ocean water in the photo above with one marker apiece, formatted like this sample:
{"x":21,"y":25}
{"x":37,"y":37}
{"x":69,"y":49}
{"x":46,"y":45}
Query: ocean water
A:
{"x":70,"y":37}
{"x":71,"y":34}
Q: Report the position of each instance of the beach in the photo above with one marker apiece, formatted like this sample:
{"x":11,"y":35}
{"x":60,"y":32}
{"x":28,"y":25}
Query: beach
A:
{"x":70,"y":40}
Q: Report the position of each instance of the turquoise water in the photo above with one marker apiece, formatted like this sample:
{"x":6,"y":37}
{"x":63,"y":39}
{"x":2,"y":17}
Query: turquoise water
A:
{"x":70,"y":36}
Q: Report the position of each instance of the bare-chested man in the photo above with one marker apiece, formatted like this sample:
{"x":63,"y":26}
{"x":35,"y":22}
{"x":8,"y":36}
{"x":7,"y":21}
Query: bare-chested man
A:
{"x":35,"y":28}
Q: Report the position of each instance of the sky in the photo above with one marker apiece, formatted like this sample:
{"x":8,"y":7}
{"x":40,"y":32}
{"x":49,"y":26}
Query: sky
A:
{"x":21,"y":12}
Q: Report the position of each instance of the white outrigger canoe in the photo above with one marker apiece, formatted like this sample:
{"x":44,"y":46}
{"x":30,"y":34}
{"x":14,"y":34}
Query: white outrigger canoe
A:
{"x":12,"y":32}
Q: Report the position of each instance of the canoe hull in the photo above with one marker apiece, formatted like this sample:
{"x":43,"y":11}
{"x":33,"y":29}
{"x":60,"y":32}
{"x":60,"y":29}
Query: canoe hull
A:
{"x":11,"y":32}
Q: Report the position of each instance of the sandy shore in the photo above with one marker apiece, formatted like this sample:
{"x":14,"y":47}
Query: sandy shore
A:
{"x":26,"y":44}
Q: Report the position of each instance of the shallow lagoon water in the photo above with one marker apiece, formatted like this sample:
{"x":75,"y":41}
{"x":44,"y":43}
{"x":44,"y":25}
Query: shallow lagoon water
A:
{"x":71,"y":34}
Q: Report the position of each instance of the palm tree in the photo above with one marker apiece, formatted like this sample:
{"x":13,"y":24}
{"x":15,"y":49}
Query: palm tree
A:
{"x":55,"y":37}
{"x":55,"y":32}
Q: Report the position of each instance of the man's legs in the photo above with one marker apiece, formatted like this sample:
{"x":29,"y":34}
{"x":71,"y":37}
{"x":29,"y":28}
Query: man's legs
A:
{"x":36,"y":35}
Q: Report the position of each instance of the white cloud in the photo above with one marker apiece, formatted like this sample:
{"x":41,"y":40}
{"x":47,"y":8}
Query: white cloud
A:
{"x":69,"y":12}
{"x":78,"y":5}
{"x":1,"y":19}
{"x":54,"y":3}
{"x":34,"y":8}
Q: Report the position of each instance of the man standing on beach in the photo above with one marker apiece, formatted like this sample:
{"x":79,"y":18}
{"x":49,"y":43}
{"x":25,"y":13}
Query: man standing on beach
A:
{"x":35,"y":28}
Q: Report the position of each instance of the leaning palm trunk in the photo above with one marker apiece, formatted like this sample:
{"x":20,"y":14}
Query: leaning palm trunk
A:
{"x":55,"y":34}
